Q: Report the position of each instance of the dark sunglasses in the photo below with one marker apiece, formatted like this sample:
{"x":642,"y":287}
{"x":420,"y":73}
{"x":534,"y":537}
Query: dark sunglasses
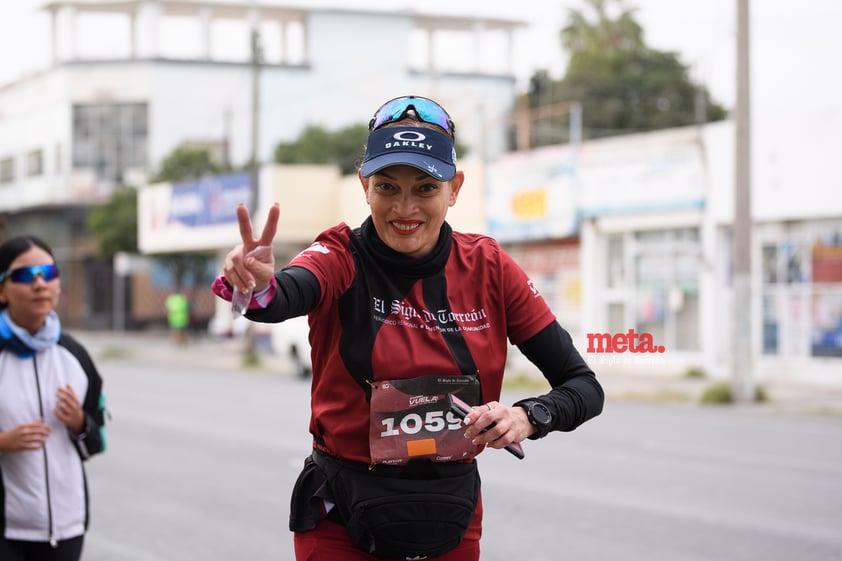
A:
{"x":427,"y":110}
{"x":27,"y":274}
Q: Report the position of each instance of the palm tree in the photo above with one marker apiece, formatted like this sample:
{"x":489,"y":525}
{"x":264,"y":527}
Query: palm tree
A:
{"x":618,"y":33}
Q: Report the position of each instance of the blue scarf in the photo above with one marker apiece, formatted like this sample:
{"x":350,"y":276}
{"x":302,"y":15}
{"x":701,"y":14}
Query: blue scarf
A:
{"x":21,"y":342}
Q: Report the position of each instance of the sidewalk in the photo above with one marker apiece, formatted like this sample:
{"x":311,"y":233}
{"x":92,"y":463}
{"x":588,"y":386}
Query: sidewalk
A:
{"x":782,"y":396}
{"x":155,"y":347}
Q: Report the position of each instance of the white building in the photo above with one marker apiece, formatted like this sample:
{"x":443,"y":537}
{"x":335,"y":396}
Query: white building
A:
{"x":620,"y":234}
{"x":651,"y":217}
{"x":183,"y":75}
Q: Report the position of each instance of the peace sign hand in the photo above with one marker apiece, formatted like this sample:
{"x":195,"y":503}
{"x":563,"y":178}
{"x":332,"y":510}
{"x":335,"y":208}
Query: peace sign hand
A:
{"x":248,"y":266}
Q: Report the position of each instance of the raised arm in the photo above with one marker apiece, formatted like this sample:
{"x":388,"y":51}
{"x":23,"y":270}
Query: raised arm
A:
{"x":245,"y":269}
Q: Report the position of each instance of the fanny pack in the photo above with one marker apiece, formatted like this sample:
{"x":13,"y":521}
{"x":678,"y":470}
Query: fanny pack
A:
{"x":403,"y":512}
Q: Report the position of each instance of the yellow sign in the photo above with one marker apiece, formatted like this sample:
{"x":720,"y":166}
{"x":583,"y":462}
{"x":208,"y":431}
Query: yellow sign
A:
{"x":528,"y":205}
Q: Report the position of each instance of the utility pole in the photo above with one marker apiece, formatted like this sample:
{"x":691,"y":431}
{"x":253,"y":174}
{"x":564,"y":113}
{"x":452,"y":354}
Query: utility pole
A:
{"x":250,"y":351}
{"x":743,"y":379}
{"x":226,"y":139}
{"x":256,"y":55}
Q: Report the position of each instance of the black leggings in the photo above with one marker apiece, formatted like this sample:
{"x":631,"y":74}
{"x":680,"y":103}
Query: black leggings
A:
{"x":16,"y":550}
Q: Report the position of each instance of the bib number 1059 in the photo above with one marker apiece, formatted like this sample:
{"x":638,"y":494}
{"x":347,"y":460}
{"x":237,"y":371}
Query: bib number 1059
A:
{"x":413,"y":423}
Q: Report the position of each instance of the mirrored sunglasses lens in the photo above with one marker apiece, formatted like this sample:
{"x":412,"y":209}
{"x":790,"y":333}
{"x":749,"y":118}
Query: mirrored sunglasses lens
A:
{"x":427,"y":110}
{"x":430,"y":112}
{"x":27,"y":274}
{"x":24,"y":275}
{"x":391,"y":111}
{"x":49,"y":272}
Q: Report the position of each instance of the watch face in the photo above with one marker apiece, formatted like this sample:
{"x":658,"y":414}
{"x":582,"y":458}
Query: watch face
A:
{"x":540,"y":413}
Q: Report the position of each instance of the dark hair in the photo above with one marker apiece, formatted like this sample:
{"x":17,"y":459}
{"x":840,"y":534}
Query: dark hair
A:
{"x":11,"y":249}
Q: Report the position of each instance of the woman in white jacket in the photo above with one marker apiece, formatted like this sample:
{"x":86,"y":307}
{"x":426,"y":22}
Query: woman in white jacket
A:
{"x":51,"y":412}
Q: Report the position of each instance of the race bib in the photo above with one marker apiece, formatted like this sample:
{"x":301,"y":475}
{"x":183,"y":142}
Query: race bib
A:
{"x":410,"y":419}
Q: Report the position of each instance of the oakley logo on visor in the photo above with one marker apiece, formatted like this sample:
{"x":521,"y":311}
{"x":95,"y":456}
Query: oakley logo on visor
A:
{"x":426,"y":149}
{"x":412,"y":139}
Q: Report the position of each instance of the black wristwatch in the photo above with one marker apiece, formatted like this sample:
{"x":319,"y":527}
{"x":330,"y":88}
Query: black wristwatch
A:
{"x":539,"y":415}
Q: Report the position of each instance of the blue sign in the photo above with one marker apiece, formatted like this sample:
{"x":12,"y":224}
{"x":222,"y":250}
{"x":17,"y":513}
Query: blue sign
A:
{"x":209,"y":201}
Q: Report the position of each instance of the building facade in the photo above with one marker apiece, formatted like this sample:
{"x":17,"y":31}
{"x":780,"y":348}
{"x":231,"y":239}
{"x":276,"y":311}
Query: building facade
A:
{"x":651,"y":215}
{"x":237,"y":77}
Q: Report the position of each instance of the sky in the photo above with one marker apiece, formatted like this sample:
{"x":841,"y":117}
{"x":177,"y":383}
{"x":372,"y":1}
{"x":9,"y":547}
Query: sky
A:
{"x":701,"y":32}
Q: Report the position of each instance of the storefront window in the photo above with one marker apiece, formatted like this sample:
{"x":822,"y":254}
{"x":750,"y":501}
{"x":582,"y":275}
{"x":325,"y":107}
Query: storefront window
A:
{"x":687,"y":321}
{"x":770,"y":324}
{"x":770,"y":263}
{"x":802,"y":289}
{"x":617,"y":318}
{"x":827,"y":327}
{"x":651,"y":309}
{"x":667,"y":286}
{"x":554,"y":269}
{"x":616,"y":263}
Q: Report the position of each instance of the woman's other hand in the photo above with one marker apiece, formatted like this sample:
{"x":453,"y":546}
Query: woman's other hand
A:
{"x":496,"y":425}
{"x":69,"y":411}
{"x":28,"y":436}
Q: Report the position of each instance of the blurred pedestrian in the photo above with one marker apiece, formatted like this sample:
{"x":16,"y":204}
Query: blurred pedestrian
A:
{"x":403,"y":312}
{"x":51,"y":412}
{"x":178,"y":316}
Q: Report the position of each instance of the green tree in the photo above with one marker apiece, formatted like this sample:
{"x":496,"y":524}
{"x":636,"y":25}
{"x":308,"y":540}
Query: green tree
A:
{"x":312,"y":147}
{"x":349,"y":147}
{"x":113,"y":224}
{"x":344,"y":148}
{"x":187,"y":265}
{"x":184,"y":163}
{"x":315,"y":145}
{"x":606,"y":33}
{"x":621,"y":84}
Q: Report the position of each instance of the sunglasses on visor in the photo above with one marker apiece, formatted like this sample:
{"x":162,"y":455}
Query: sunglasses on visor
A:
{"x":27,"y":274}
{"x":427,"y":110}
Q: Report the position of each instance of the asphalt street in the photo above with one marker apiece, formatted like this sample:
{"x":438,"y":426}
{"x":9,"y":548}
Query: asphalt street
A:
{"x":201,"y":461}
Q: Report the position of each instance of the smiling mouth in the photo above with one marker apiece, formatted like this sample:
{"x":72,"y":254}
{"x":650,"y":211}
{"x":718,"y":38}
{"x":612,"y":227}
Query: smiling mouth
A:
{"x":406,"y":228}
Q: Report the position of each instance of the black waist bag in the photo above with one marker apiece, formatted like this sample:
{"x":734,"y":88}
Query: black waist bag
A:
{"x":414,"y":511}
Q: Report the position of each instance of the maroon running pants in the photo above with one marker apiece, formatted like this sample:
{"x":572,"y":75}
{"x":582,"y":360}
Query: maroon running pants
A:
{"x":330,"y":541}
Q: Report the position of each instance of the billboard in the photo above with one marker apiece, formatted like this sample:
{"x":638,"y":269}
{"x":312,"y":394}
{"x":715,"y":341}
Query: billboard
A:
{"x":531,"y":195}
{"x":192,"y":216}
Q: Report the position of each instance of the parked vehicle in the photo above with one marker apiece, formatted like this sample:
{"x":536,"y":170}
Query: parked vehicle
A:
{"x":290,"y":339}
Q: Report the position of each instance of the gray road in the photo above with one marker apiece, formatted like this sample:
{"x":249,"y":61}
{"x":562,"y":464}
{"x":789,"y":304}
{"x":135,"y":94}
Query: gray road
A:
{"x":200,"y":464}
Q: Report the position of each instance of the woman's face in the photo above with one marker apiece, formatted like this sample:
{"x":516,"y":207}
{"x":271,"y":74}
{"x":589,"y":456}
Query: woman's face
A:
{"x":408,"y":207}
{"x":30,"y":303}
